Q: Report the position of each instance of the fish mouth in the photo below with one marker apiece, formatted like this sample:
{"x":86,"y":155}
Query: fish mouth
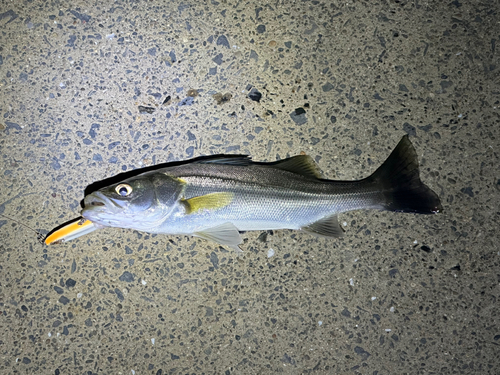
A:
{"x":95,"y":203}
{"x":97,"y":199}
{"x":100,"y":209}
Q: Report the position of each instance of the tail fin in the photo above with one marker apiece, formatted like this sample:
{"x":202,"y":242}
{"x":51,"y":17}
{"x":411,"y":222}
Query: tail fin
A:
{"x":399,"y":180}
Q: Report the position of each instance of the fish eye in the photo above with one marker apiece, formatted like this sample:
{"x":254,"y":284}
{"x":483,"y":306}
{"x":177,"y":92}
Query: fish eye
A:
{"x":123,"y":190}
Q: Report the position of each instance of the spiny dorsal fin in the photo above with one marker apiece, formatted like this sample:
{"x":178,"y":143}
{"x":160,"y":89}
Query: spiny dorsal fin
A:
{"x":210,"y":201}
{"x":238,"y":160}
{"x":326,"y":227}
{"x":300,"y":164}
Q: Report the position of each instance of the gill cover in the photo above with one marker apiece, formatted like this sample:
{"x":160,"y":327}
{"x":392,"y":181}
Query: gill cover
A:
{"x":140,"y":202}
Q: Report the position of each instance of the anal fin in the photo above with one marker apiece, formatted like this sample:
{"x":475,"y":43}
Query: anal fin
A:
{"x":225,"y":234}
{"x":325,"y":227}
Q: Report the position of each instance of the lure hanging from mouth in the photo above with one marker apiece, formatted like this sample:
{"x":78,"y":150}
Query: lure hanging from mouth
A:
{"x":219,"y":197}
{"x":71,"y":230}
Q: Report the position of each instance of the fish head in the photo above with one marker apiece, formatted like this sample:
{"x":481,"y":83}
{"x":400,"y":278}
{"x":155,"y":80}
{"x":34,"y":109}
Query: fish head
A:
{"x":142,"y":202}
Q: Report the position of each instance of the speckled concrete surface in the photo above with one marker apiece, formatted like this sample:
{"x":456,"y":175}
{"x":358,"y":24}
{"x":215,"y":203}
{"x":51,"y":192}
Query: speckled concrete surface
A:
{"x":341,"y":81}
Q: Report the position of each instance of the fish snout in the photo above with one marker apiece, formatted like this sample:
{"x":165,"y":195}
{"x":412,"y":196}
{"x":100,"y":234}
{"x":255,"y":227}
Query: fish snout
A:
{"x":96,"y":203}
{"x":97,"y":199}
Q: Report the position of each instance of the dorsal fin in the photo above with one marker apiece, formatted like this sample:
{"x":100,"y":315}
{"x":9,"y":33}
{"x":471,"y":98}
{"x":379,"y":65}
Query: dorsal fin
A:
{"x":300,"y":164}
{"x":238,"y":160}
{"x":303,"y":165}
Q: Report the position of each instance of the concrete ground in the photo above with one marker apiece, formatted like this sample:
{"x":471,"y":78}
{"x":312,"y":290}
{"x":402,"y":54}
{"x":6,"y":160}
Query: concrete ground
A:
{"x":340,"y":81}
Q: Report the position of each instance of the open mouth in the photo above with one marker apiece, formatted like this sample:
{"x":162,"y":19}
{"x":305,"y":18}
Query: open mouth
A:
{"x":94,"y":203}
{"x":96,"y":199}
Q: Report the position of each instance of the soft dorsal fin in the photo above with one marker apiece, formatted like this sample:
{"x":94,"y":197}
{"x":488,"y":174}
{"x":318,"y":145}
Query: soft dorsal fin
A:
{"x":325,"y":227}
{"x":300,"y":164}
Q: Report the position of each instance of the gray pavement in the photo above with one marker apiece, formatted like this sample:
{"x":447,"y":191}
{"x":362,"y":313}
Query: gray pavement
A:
{"x":91,"y":90}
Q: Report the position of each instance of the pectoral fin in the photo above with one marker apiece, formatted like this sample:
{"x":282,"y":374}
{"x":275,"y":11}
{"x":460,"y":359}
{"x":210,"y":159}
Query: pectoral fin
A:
{"x":208,"y":202}
{"x":225,"y":234}
{"x":326,"y":227}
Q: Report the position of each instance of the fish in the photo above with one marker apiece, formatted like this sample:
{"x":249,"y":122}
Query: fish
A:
{"x":218,"y":198}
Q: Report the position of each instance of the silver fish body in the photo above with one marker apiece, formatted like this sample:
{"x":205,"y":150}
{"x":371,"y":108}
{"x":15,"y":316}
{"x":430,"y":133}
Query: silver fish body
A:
{"x":218,"y":198}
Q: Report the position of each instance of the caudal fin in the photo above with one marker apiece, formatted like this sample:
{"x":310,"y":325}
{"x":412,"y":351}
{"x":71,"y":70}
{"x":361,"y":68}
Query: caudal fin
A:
{"x":399,"y":180}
